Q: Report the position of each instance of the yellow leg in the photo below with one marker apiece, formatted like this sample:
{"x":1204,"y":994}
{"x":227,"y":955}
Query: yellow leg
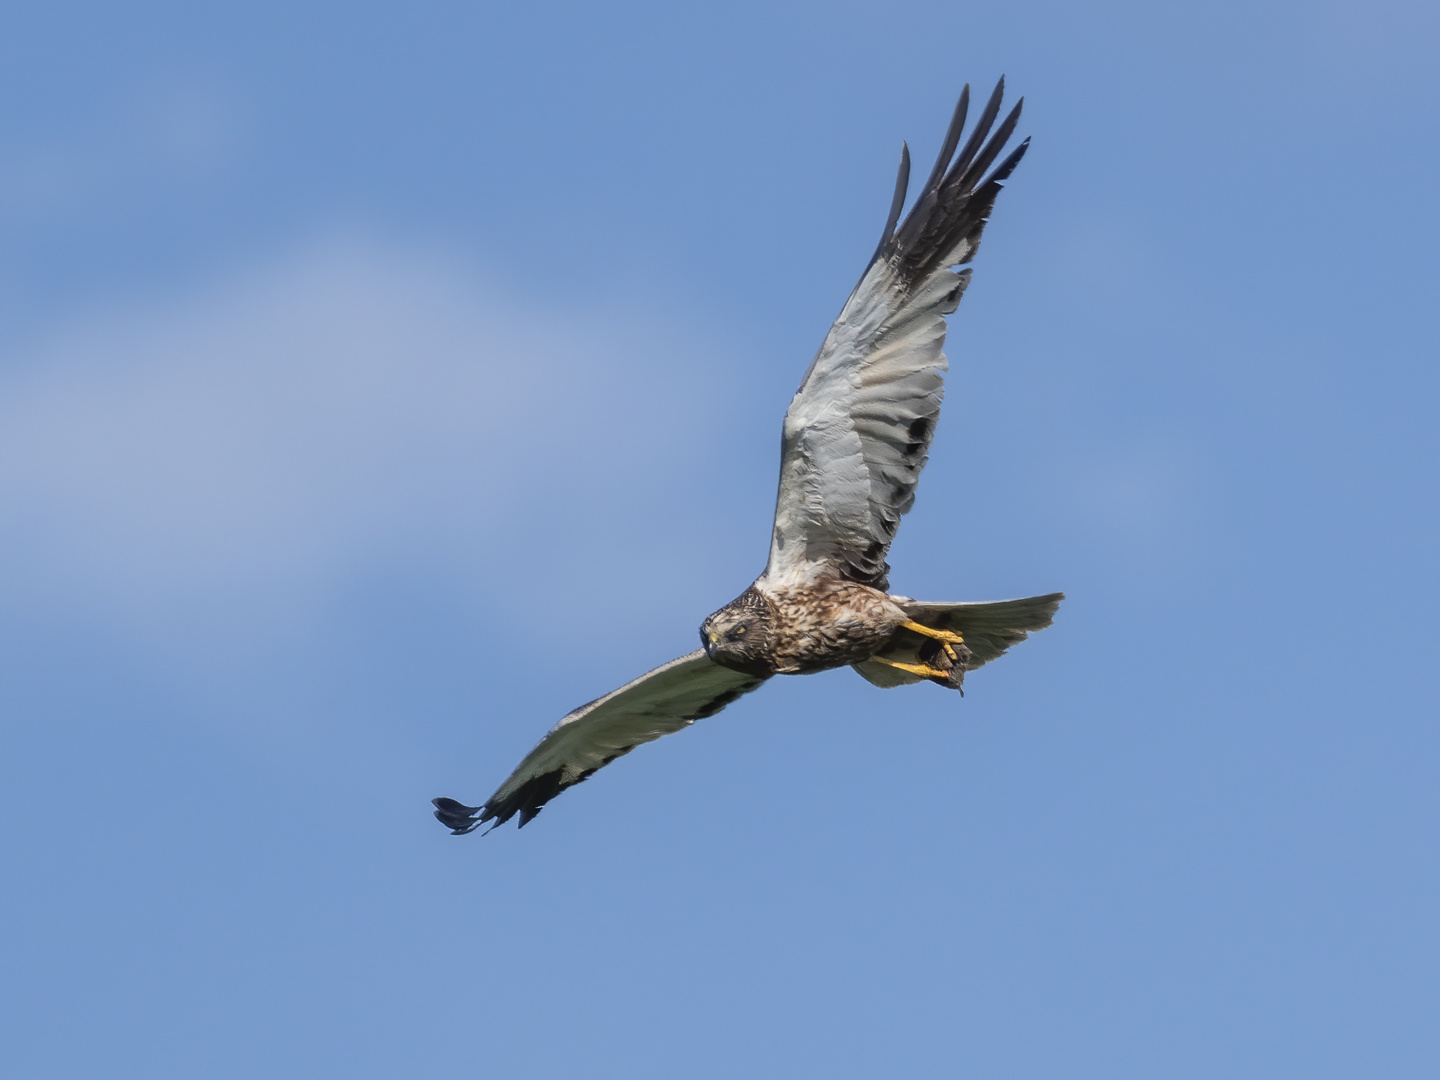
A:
{"x":945,"y":636}
{"x":914,"y":669}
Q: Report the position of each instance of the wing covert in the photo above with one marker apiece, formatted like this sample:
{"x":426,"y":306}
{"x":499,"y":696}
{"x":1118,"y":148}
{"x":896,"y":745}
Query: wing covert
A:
{"x":669,"y":698}
{"x":857,"y":433}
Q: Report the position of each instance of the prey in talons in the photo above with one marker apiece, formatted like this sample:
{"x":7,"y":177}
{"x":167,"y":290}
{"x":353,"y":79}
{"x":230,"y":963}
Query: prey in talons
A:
{"x":948,"y":638}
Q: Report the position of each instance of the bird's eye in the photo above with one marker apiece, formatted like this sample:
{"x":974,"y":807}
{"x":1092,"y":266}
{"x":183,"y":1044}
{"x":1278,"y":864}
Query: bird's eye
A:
{"x":737,"y":633}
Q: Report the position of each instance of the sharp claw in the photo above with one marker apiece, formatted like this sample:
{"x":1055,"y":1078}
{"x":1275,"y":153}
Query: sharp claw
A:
{"x":948,"y":636}
{"x":924,"y":670}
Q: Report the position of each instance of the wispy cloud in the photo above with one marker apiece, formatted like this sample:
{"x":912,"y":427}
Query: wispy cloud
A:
{"x":200,"y":466}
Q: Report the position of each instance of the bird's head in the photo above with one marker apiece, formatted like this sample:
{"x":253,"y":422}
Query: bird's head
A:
{"x":738,"y":636}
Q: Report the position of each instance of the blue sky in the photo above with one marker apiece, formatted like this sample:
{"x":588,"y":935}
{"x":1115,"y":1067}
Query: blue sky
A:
{"x":378,"y":384}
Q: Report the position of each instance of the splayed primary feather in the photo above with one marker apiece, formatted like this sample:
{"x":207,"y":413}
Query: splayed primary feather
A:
{"x":857,"y":434}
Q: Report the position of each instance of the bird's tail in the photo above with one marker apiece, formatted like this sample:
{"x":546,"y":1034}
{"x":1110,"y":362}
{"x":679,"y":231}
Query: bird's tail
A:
{"x":988,"y":629}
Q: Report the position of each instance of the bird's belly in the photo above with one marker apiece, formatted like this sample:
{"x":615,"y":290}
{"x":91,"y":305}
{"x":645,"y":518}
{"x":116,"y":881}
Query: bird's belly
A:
{"x":832,"y":626}
{"x":838,"y":647}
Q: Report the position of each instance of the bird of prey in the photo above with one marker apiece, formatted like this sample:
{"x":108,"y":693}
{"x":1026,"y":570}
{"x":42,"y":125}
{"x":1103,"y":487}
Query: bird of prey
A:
{"x":855,"y":438}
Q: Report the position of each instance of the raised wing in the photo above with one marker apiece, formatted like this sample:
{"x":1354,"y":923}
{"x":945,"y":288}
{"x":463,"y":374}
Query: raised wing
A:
{"x":858,"y":432}
{"x":671,"y":697}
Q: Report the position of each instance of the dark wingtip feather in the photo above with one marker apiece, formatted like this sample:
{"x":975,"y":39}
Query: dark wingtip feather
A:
{"x":982,"y":129}
{"x":527,"y":799}
{"x":1006,"y":167}
{"x":959,"y":197}
{"x":456,"y":816}
{"x":897,"y":202}
{"x":952,"y":140}
{"x":992,"y":149}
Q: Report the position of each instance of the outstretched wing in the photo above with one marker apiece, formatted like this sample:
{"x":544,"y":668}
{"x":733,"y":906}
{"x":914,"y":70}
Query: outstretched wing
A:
{"x":858,"y":431}
{"x":667,"y":699}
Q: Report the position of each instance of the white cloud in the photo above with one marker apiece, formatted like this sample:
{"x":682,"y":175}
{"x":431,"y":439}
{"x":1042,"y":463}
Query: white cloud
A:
{"x":199,"y":466}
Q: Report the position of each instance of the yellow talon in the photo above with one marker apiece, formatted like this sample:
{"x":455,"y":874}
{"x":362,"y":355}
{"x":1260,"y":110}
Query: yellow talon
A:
{"x":915,"y":669}
{"x":945,"y":636}
{"x":930,"y":631}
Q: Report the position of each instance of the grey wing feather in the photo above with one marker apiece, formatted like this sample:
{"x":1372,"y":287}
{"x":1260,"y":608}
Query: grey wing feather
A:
{"x":992,"y":627}
{"x":858,"y":432}
{"x":989,"y":629}
{"x":666,"y":699}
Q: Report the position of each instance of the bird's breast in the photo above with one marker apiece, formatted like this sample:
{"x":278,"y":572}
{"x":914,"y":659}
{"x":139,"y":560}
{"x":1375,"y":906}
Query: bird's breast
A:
{"x":829,"y":624}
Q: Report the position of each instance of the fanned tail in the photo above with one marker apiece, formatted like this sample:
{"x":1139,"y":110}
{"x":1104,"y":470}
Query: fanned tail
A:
{"x":988,"y":629}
